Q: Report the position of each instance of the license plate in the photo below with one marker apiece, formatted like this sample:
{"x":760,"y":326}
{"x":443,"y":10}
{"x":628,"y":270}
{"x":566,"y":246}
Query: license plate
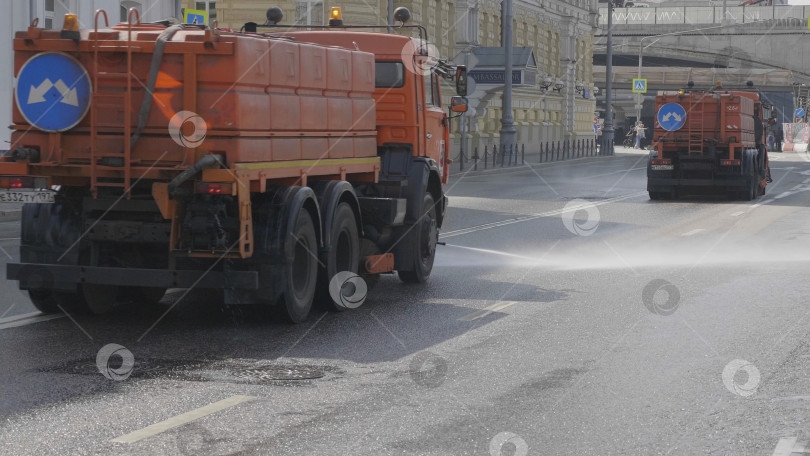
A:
{"x":663,"y":167}
{"x":10,"y":196}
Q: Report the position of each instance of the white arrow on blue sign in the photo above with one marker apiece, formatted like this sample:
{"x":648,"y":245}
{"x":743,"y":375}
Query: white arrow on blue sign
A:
{"x":799,"y":112}
{"x":671,"y":116}
{"x":53,"y":91}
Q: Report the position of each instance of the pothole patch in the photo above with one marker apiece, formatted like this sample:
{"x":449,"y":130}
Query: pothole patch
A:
{"x":232,"y":370}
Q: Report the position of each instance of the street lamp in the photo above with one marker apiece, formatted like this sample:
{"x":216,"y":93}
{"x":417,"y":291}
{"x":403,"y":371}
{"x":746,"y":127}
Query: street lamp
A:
{"x":508,"y":132}
{"x":559,"y":85}
{"x":580,"y":87}
{"x":607,"y":132}
{"x":546,"y":84}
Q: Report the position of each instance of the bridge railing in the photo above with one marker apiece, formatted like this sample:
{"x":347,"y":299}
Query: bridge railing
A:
{"x":705,"y":15}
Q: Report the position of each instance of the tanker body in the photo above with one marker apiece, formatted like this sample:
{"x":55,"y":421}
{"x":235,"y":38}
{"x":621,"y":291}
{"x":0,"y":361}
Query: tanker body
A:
{"x":259,"y":164}
{"x":708,"y":141}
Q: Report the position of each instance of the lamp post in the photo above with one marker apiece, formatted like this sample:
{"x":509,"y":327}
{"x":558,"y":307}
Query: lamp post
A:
{"x":607,"y":133}
{"x":508,"y":131}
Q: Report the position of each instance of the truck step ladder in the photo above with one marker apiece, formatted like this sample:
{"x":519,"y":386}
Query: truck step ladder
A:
{"x":102,"y":160}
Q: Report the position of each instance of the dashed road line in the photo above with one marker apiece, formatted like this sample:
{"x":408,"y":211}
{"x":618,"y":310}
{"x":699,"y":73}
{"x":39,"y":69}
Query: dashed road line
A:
{"x":737,"y":214}
{"x":180,"y":420}
{"x":693,"y":232}
{"x":788,"y":446}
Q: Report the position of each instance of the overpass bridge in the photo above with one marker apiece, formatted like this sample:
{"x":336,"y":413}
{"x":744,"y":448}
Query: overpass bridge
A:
{"x":747,"y":38}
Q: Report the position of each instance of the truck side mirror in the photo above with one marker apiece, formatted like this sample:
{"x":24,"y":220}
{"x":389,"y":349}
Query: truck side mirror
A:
{"x":458,"y":104}
{"x":461,"y":80}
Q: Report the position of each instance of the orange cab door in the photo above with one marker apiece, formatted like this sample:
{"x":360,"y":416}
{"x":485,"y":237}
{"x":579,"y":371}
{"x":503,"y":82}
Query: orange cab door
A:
{"x":435,"y":142}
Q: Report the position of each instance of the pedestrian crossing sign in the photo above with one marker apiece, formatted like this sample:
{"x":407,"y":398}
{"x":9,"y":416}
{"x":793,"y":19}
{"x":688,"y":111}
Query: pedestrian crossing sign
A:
{"x":639,"y":86}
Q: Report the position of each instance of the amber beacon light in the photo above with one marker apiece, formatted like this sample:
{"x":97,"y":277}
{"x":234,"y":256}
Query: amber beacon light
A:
{"x":335,"y":17}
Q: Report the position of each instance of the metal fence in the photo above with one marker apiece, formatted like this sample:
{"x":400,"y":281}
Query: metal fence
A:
{"x":789,"y":16}
{"x":516,"y":155}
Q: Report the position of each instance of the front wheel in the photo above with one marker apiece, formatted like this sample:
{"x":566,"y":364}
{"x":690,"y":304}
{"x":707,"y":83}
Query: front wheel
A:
{"x":425,"y":238}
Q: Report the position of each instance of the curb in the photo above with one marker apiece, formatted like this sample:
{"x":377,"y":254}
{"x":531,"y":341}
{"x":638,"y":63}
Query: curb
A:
{"x":506,"y":169}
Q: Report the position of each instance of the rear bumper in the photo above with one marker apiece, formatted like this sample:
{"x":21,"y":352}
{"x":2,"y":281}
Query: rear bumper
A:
{"x":730,"y":181}
{"x":66,"y":277}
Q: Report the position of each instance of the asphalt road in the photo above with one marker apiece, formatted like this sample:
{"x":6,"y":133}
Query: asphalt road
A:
{"x":567,"y":315}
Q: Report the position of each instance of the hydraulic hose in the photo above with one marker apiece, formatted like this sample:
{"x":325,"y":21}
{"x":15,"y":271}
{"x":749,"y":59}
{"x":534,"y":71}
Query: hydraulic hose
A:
{"x":207,"y":161}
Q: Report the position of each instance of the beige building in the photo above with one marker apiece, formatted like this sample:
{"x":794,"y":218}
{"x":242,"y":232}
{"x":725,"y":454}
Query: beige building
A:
{"x":560,"y":33}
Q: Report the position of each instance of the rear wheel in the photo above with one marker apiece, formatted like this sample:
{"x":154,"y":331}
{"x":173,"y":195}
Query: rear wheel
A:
{"x":426,"y":235}
{"x":300,"y":271}
{"x":657,"y":195}
{"x":344,"y":253}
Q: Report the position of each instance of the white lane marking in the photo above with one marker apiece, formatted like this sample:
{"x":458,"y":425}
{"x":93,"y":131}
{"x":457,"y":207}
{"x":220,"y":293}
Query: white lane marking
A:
{"x":487,"y":310}
{"x":487,"y":226}
{"x":695,"y":231}
{"x":806,"y":180}
{"x":782,"y":195}
{"x":796,"y":187}
{"x":738,"y":213}
{"x":27,"y":319}
{"x":180,"y":420}
{"x":769,"y":200}
{"x":9,"y":239}
{"x":785,"y":447}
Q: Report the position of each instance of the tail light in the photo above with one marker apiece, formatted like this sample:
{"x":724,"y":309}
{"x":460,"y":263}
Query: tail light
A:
{"x":23,"y":182}
{"x":661,"y":161}
{"x":729,"y":162}
{"x":214,"y":188}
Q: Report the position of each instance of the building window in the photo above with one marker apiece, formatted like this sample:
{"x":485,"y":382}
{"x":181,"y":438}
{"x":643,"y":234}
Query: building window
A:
{"x":309,"y":12}
{"x":49,"y":9}
{"x":210,"y":9}
{"x":126,"y":5}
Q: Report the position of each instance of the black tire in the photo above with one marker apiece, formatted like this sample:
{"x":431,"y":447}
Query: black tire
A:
{"x":425,"y":237}
{"x":301,"y":272}
{"x":344,"y":254}
{"x":657,"y":195}
{"x":47,"y":231}
{"x":49,"y":301}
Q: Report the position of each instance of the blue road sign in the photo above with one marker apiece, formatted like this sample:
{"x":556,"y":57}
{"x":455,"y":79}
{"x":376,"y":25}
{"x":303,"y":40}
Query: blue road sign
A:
{"x":671,"y":116}
{"x":799,"y":112}
{"x":53,"y":91}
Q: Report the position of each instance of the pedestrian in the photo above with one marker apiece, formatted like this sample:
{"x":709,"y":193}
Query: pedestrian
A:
{"x":779,"y":137}
{"x":639,"y":134}
{"x":771,"y":140}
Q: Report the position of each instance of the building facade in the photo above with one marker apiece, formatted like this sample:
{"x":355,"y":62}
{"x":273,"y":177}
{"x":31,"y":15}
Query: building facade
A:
{"x":560,"y":33}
